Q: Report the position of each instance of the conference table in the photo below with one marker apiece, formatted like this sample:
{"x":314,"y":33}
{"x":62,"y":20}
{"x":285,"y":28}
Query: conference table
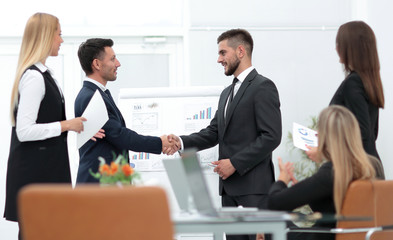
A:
{"x":270,"y":222}
{"x":274,"y":224}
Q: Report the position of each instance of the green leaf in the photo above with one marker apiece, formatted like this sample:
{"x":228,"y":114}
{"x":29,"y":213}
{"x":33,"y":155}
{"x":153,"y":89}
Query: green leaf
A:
{"x":95,"y":175}
{"x":102,"y":160}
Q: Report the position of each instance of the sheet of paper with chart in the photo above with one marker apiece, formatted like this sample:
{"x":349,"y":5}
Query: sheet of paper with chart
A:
{"x":303,"y":136}
{"x":197,"y":115}
{"x":145,"y":118}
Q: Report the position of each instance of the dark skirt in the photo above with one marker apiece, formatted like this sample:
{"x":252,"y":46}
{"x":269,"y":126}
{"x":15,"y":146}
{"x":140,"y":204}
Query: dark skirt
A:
{"x":43,"y":161}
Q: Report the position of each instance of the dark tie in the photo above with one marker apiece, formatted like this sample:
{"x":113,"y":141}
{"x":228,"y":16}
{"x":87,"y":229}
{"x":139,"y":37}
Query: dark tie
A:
{"x":230,"y":98}
{"x":110,"y":96}
{"x":108,"y":93}
{"x":232,"y":91}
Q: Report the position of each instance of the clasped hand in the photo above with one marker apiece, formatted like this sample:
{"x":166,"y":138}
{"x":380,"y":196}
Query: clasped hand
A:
{"x":170,"y":144}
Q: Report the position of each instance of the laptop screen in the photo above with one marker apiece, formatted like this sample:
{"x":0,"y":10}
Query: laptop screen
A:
{"x":177,"y":177}
{"x":197,"y":183}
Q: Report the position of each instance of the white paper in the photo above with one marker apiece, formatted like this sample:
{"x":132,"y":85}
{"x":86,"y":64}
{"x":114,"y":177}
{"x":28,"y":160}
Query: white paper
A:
{"x":96,"y":115}
{"x":303,"y":136}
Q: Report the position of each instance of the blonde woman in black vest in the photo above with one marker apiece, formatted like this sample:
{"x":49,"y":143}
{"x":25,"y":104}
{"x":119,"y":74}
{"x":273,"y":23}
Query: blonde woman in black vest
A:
{"x":38,"y":151}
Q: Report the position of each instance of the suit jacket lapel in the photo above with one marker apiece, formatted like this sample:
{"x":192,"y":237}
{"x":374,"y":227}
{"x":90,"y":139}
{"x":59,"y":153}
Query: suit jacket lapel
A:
{"x":239,"y":95}
{"x":221,"y":108}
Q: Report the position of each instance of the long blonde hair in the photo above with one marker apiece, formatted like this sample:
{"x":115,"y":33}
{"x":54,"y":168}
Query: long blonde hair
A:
{"x":340,"y":142}
{"x":36,"y":47}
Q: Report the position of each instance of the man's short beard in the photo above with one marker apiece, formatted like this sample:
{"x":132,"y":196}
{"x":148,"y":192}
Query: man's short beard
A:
{"x":232,"y":67}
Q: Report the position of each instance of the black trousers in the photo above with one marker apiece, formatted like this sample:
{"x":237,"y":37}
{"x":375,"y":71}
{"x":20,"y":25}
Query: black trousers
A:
{"x":254,"y":200}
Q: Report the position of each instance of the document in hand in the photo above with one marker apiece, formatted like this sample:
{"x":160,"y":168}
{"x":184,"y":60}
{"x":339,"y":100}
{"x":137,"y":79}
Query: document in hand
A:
{"x":96,"y":115}
{"x":303,"y":136}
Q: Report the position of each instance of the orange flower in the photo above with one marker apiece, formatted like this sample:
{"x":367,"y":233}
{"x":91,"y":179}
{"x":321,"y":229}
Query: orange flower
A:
{"x":114,"y":167}
{"x":127,"y":170}
{"x":118,"y":171}
{"x":104,"y":169}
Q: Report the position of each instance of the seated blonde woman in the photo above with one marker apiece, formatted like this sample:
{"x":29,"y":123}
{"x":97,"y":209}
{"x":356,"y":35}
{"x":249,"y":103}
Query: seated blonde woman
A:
{"x":341,"y":147}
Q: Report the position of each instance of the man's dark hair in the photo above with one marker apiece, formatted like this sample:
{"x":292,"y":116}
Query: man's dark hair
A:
{"x":238,"y":37}
{"x":92,"y":49}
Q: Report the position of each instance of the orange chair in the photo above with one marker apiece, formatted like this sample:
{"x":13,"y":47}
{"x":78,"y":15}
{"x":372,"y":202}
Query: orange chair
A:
{"x":59,"y":212}
{"x":368,"y":198}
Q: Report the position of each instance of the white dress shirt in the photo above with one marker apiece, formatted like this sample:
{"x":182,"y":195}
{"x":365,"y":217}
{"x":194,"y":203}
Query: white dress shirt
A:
{"x":31,"y":92}
{"x":242,"y":76}
{"x":102,"y":87}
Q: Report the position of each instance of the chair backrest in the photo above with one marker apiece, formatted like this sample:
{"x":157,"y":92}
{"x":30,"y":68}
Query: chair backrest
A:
{"x":59,"y":212}
{"x":368,"y":198}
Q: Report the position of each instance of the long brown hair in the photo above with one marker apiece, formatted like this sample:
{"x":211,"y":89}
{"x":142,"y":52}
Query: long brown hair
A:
{"x":339,"y":141}
{"x":357,"y":48}
{"x":36,"y":46}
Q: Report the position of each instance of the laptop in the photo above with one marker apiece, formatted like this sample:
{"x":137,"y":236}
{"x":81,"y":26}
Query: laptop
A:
{"x":178,"y":180}
{"x":201,"y":195}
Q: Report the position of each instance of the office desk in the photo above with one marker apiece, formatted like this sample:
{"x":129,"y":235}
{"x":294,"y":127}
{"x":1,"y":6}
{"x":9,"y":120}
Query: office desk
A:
{"x":202,"y":224}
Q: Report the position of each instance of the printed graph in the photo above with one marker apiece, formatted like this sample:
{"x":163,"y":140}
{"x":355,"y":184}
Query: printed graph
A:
{"x":145,"y":121}
{"x":140,"y":156}
{"x":202,"y":114}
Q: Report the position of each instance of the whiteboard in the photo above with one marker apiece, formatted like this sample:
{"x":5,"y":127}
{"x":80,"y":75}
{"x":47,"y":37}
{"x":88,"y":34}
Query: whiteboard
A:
{"x":159,"y":111}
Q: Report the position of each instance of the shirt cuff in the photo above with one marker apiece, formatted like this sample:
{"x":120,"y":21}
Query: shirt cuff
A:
{"x":182,"y":145}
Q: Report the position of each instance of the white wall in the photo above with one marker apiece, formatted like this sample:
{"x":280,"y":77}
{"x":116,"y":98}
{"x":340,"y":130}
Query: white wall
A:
{"x":294,"y":46}
{"x":378,"y":16}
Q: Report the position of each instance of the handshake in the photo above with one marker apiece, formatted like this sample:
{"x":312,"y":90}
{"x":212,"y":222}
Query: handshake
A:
{"x":170,"y":144}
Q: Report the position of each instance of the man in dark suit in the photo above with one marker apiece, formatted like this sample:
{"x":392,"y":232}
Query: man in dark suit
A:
{"x":99,"y":62}
{"x":247,"y":127}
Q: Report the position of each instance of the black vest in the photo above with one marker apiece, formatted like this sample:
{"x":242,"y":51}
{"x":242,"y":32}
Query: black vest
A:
{"x":43,"y":161}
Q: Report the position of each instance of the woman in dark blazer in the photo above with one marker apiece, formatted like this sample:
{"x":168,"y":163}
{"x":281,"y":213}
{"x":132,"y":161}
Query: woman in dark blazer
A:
{"x":361,"y":91}
{"x":341,"y":147}
{"x":38,"y":151}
